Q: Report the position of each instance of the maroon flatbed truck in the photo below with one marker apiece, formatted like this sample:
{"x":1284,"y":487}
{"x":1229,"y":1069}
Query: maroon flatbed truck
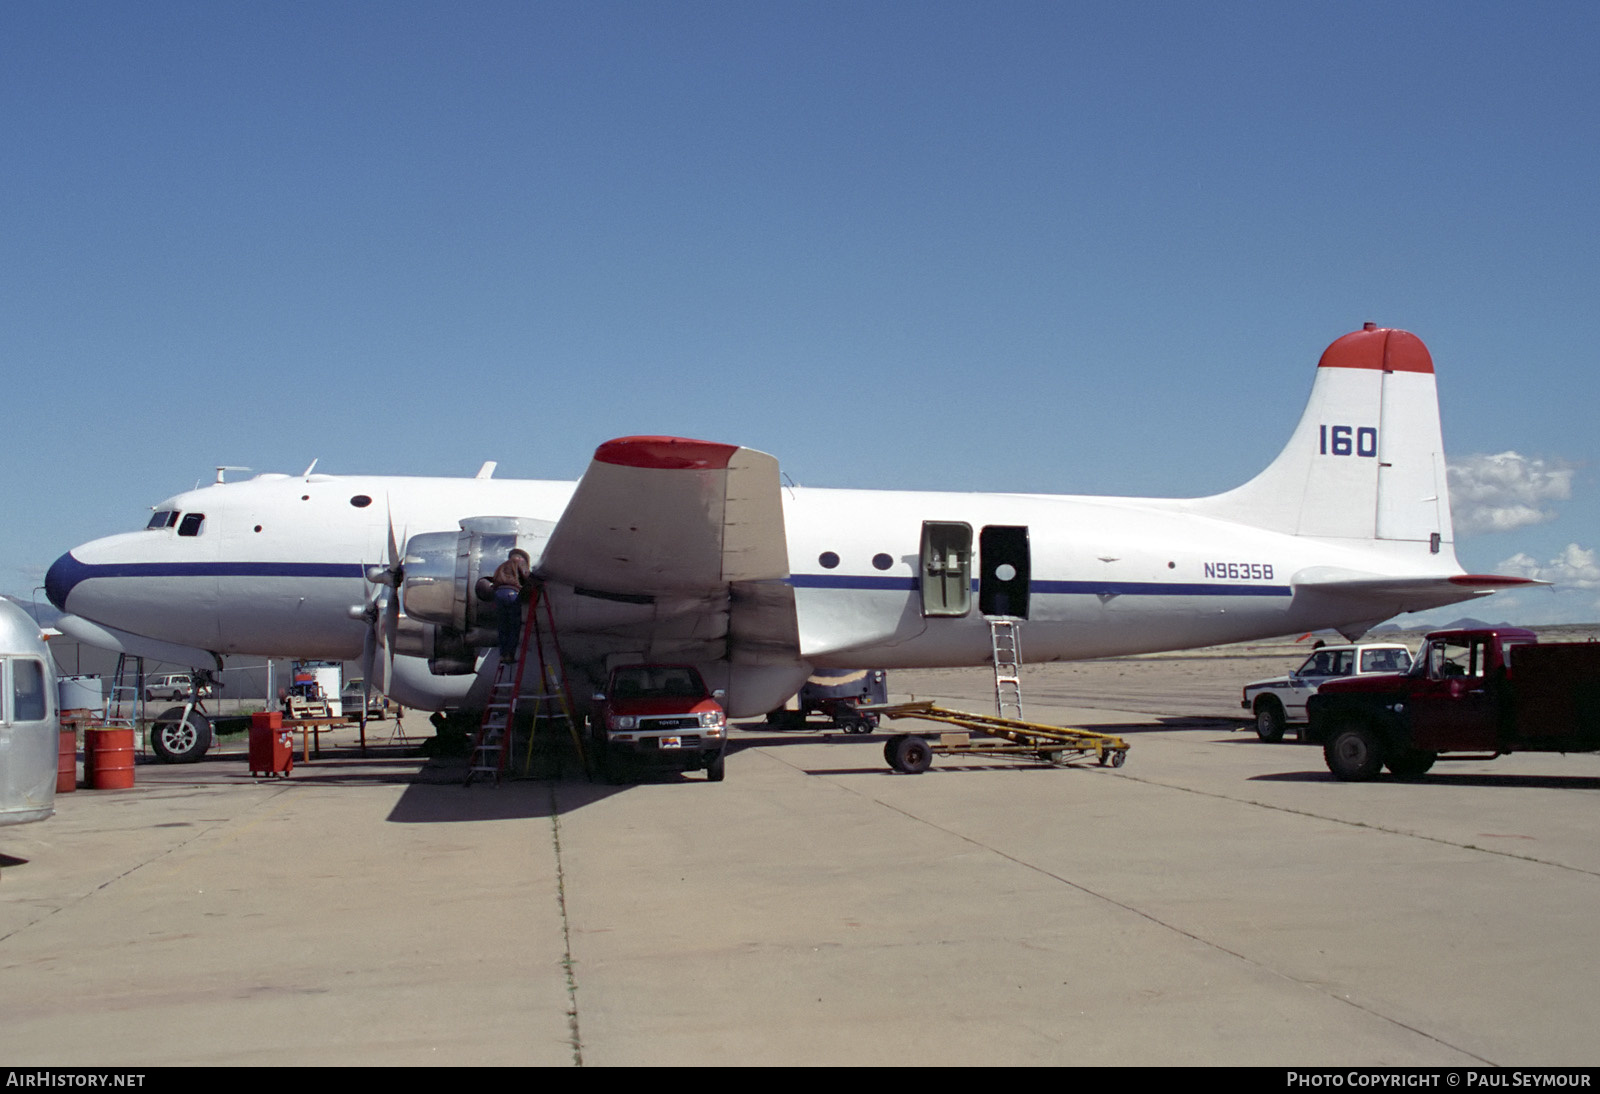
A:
{"x":1470,"y":695}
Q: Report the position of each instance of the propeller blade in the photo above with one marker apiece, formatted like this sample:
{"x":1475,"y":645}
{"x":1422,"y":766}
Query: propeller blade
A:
{"x":386,"y":637}
{"x":369,"y":655}
{"x":394,"y":548}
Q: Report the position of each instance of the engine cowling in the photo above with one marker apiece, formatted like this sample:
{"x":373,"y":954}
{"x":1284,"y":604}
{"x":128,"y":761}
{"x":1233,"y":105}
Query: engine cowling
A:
{"x":442,"y":570}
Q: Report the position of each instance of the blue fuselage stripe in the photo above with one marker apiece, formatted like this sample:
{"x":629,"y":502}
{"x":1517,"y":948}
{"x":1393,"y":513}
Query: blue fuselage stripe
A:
{"x":224,"y":569}
{"x":1050,"y":588}
{"x":78,"y":572}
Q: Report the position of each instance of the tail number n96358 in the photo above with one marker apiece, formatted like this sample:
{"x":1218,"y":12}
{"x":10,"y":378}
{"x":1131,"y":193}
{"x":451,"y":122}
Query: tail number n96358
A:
{"x":1346,"y":440}
{"x":1239,"y":571}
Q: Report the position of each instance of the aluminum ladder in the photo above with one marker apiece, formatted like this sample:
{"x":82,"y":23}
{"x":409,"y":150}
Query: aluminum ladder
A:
{"x":1007,"y":653}
{"x":122,"y":692}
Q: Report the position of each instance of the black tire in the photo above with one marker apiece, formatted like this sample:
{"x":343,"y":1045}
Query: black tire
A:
{"x":599,"y":755}
{"x":716,"y":769}
{"x":1270,"y":720}
{"x":888,"y":750}
{"x":175,"y":741}
{"x":1354,"y":753}
{"x":862,"y":723}
{"x":1411,"y":764}
{"x":912,"y":755}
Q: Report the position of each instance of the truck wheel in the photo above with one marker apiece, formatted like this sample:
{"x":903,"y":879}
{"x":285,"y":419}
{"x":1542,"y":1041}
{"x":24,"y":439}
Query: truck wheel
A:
{"x":715,"y":770}
{"x":600,"y":762}
{"x":911,"y":755}
{"x":1269,"y":720}
{"x":1412,"y":764}
{"x":1354,"y":753}
{"x":176,"y":741}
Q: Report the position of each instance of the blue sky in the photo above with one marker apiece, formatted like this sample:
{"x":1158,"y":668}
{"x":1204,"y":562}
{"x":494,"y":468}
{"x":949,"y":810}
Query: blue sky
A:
{"x":1086,"y":248}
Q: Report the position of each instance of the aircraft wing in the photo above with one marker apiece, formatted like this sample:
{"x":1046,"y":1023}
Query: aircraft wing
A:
{"x":675,"y":550}
{"x":665,"y":516}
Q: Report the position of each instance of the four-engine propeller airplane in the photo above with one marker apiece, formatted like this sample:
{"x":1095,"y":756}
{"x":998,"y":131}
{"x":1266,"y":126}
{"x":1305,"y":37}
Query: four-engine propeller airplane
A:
{"x":693,"y":552}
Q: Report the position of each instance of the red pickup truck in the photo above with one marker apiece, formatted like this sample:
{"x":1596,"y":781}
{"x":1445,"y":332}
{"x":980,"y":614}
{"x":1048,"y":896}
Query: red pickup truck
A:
{"x":661,"y":715}
{"x":1477,"y":693}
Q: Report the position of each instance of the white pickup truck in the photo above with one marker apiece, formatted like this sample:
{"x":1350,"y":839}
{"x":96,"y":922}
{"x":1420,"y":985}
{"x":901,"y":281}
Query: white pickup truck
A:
{"x":1282,"y":700}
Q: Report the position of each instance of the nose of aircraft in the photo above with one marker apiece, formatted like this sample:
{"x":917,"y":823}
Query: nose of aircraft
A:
{"x":65,"y":572}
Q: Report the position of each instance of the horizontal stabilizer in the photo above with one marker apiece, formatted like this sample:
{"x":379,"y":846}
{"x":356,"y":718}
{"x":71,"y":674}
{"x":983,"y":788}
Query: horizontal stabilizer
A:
{"x":1413,"y":593}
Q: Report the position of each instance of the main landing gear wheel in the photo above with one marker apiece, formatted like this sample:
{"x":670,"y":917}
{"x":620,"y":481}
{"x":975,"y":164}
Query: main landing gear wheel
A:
{"x":911,"y":755}
{"x":1269,"y":721}
{"x":176,"y":740}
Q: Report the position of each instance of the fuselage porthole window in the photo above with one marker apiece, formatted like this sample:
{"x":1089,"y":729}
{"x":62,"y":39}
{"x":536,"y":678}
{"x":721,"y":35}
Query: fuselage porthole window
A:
{"x":191,"y":524}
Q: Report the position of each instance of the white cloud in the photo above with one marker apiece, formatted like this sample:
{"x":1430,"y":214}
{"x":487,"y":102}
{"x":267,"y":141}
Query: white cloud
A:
{"x":1573,"y":568}
{"x":1505,"y":491}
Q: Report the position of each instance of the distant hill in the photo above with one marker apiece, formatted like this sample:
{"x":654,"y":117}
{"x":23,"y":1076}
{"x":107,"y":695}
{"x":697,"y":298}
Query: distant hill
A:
{"x":1467,"y":623}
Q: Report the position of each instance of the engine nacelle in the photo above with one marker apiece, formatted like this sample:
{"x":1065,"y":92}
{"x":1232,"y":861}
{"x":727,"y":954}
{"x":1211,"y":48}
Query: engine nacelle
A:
{"x":444,"y":648}
{"x":441,"y":574}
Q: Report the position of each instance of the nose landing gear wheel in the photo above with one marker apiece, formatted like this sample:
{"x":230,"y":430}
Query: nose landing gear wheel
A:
{"x":179,"y":740}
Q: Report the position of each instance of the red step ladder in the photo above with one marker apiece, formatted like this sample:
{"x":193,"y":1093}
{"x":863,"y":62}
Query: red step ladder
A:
{"x":491,"y":748}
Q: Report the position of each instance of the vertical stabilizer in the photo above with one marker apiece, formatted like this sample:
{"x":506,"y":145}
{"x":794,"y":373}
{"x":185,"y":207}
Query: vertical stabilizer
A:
{"x":1366,"y":461}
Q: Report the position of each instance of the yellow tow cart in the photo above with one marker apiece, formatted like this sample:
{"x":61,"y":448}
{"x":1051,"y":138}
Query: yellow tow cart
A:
{"x":1003,"y":737}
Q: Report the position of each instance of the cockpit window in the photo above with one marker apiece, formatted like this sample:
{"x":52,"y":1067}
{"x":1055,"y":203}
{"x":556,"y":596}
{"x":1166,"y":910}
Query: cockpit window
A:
{"x":191,"y":524}
{"x":163,"y":518}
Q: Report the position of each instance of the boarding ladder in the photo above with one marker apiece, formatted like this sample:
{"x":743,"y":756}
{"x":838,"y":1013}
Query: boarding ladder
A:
{"x":491,"y":748}
{"x":1007,"y":653}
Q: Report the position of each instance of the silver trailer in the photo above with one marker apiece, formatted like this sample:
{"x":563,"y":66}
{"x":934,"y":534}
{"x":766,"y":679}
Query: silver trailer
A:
{"x":30,"y":727}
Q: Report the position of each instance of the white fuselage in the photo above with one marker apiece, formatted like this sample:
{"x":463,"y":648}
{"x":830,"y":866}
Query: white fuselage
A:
{"x":677,"y":548}
{"x":278,"y":563}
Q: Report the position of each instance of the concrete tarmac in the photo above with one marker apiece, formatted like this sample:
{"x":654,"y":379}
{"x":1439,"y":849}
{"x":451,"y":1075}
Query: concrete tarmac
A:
{"x":1215,"y":901}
